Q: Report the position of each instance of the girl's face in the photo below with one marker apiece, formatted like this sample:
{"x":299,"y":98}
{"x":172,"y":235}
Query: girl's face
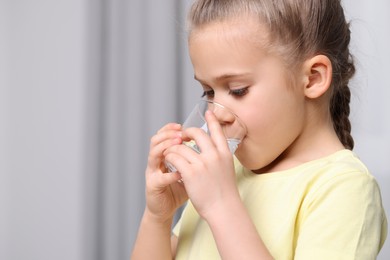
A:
{"x":236,"y":71}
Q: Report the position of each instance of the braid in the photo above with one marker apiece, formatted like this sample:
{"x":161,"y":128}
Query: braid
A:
{"x":341,"y":96}
{"x":339,"y":109}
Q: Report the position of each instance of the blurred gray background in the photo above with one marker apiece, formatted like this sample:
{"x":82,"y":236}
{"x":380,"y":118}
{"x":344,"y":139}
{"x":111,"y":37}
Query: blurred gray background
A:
{"x":84,"y":85}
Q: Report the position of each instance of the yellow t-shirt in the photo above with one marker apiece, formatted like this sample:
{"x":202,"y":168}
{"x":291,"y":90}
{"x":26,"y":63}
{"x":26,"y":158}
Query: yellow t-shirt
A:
{"x":328,"y":208}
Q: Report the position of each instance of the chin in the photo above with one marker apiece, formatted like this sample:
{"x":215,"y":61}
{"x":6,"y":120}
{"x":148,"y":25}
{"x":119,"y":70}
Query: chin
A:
{"x":245,"y":162}
{"x":248,"y":158}
{"x":256,"y":164}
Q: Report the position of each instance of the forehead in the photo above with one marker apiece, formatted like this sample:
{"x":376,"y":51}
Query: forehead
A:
{"x":241,"y":28}
{"x":222,"y":47}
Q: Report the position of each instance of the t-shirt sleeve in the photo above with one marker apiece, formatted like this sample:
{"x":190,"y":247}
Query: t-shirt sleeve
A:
{"x":342,"y":219}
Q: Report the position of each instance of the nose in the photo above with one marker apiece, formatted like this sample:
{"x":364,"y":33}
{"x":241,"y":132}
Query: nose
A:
{"x":232,"y":127}
{"x":224,"y":116}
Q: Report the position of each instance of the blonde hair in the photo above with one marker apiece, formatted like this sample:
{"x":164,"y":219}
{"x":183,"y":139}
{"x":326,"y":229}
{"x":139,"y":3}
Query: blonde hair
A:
{"x":302,"y":28}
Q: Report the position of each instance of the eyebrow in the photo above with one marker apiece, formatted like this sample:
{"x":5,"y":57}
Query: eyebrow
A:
{"x":225,"y":76}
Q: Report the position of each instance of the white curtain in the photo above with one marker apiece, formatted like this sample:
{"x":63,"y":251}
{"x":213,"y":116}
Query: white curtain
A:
{"x":142,"y":81}
{"x":84,"y":84}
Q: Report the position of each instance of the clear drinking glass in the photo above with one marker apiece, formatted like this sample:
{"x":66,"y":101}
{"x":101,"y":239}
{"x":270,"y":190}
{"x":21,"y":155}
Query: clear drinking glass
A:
{"x":232,"y":127}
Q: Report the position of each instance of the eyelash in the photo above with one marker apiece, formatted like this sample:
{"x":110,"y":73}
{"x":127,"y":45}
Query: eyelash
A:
{"x":208,"y":94}
{"x":235,"y":92}
{"x":239,"y":92}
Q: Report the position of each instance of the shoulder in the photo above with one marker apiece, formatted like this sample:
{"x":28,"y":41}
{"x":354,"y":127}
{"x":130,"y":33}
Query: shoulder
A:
{"x":343,"y":203}
{"x":346,"y":193}
{"x":344,"y":173}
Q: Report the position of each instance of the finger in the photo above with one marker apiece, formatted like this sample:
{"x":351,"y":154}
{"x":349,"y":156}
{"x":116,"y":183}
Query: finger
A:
{"x":156,"y":152}
{"x":180,"y":162}
{"x":163,"y":135}
{"x":200,"y":138}
{"x":216,"y":131}
{"x":167,"y":136}
{"x":207,"y":143}
{"x":187,"y":150}
{"x":170,"y":126}
{"x":162,"y":180}
{"x":169,"y":131}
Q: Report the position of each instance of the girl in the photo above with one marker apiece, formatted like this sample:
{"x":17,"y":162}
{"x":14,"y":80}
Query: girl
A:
{"x":295,"y":189}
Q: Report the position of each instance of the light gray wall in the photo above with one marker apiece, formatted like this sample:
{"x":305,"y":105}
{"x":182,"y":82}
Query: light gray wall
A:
{"x":3,"y":105}
{"x":371,"y":90}
{"x":83,"y":86}
{"x":42,"y":97}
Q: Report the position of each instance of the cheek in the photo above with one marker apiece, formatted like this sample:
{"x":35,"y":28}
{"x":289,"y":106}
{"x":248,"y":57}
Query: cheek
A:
{"x":252,"y":151}
{"x":259,"y":127}
{"x":259,"y":116}
{"x":272,"y":128}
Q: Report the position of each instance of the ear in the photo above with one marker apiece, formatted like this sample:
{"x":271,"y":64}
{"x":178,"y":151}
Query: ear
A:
{"x":318,"y":76}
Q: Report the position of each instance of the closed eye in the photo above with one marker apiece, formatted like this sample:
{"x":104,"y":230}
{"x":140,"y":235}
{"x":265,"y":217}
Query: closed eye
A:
{"x":239,"y":92}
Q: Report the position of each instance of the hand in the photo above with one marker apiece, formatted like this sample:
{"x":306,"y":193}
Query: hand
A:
{"x":164,"y":194}
{"x":208,"y":177}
